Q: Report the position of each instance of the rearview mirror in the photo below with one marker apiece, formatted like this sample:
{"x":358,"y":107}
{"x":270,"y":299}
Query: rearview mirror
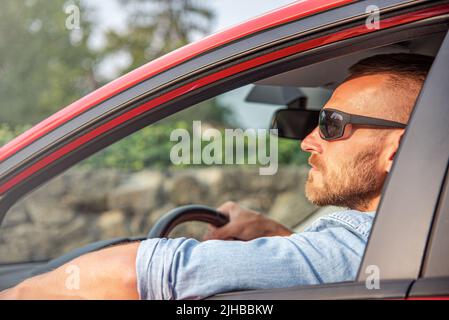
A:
{"x":294,"y":123}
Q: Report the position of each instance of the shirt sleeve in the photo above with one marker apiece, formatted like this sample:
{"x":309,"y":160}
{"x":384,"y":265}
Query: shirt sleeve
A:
{"x":188,"y":269}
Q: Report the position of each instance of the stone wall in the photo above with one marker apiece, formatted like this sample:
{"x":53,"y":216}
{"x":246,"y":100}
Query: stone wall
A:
{"x":83,"y":206}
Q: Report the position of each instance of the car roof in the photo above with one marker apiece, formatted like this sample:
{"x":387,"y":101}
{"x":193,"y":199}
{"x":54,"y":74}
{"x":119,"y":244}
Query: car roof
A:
{"x":282,"y":15}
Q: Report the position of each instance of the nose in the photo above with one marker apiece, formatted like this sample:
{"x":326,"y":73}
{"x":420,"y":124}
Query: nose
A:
{"x":311,"y":143}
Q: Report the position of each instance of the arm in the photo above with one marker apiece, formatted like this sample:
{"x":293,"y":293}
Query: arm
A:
{"x":187,"y":269}
{"x":110,"y":273}
{"x":105,"y":274}
{"x":245,"y":224}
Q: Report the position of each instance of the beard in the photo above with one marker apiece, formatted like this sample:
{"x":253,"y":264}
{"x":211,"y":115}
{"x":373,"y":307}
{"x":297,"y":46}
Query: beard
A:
{"x":353,"y":185}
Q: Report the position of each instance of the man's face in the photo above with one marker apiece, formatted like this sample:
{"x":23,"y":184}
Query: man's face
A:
{"x":350,"y":172}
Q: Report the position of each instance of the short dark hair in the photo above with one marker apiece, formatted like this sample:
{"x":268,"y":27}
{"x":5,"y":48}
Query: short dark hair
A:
{"x":406,"y":72}
{"x":410,"y":65}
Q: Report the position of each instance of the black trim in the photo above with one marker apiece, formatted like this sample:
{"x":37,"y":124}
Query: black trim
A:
{"x":338,"y":291}
{"x":430,"y":287}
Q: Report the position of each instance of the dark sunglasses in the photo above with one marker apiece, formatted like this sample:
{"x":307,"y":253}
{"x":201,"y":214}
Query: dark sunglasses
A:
{"x":332,"y":123}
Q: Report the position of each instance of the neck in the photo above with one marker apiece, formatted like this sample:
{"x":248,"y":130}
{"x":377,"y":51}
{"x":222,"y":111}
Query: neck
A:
{"x":370,"y":205}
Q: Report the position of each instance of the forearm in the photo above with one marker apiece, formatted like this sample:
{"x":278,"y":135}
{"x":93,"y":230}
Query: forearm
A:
{"x":105,"y":274}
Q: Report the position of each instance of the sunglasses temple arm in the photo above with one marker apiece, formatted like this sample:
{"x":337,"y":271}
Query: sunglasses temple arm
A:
{"x":361,"y":120}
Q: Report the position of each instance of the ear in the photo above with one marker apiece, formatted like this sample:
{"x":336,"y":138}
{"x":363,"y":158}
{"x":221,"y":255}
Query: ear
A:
{"x":392,"y":147}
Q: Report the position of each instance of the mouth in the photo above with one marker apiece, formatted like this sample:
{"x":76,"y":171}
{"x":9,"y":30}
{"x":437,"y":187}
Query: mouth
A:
{"x":313,"y":167}
{"x":313,"y":170}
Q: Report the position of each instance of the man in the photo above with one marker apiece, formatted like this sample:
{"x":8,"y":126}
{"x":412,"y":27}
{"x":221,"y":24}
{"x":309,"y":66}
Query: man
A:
{"x":350,"y":161}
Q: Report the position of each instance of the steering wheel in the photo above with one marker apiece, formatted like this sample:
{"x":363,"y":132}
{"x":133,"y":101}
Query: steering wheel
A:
{"x":165,"y":225}
{"x":161,"y":229}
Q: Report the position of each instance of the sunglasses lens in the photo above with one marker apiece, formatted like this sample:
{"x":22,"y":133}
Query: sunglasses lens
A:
{"x":331,"y":124}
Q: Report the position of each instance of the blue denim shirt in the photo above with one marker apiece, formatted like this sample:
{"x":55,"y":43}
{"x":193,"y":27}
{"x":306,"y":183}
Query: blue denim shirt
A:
{"x":330,"y":250}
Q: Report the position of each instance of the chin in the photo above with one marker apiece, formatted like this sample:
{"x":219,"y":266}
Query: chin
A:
{"x":312,"y":193}
{"x":315,"y":190}
{"x":315,"y":180}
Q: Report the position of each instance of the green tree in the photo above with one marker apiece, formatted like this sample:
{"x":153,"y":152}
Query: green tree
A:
{"x":156,"y":27}
{"x":44,"y":66}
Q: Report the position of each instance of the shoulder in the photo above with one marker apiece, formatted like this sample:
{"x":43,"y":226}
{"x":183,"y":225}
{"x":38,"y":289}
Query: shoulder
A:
{"x":356,"y":222}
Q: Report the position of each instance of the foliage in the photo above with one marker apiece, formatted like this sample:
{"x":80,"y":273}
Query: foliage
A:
{"x":210,"y":111}
{"x":150,"y":147}
{"x":291,"y":153}
{"x":7,"y":132}
{"x":43,"y":65}
{"x":156,"y":27}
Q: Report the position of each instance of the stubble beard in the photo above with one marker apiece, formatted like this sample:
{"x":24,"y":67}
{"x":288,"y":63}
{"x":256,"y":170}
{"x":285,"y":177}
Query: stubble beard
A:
{"x":353,"y":186}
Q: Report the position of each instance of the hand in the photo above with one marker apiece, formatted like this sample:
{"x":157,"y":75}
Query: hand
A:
{"x":245,"y":224}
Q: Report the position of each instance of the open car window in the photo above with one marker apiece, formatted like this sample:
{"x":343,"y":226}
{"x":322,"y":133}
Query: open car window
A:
{"x":124,"y":189}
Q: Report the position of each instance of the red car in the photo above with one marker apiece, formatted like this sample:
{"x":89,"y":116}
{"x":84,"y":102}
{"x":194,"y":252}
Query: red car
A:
{"x":305,"y":44}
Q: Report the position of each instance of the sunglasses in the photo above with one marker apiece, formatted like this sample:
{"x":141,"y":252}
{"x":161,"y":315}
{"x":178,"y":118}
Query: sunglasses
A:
{"x":332,"y":123}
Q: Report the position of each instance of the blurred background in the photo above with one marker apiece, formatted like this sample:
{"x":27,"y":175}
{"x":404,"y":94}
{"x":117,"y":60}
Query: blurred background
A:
{"x":124,"y":189}
{"x":44,"y":66}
